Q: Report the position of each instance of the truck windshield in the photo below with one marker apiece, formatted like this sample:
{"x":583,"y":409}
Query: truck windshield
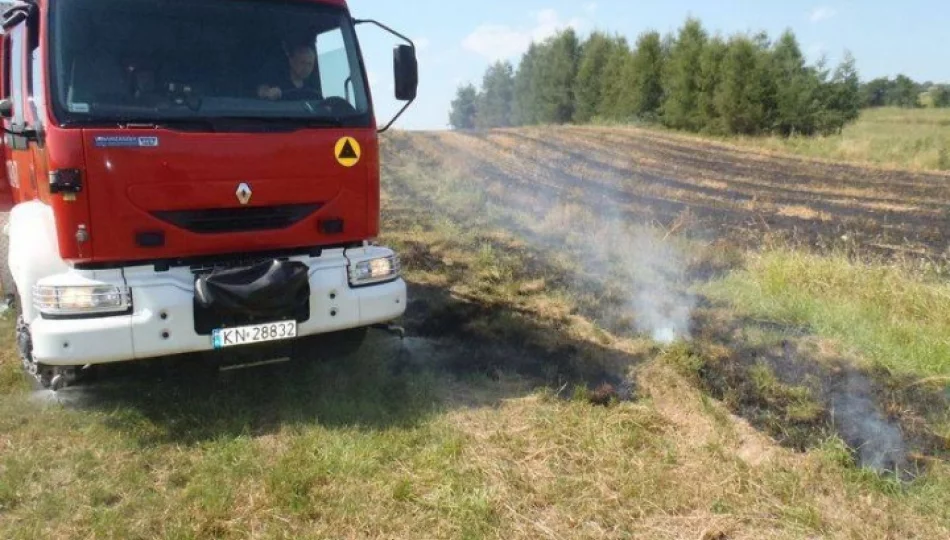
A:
{"x":144,"y":60}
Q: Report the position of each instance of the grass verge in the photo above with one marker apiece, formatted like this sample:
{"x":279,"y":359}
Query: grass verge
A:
{"x":890,"y":315}
{"x":917,"y":139}
{"x":906,"y":138}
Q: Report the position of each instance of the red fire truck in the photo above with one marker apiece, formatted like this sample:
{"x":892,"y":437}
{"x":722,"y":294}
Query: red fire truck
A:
{"x":190,"y":177}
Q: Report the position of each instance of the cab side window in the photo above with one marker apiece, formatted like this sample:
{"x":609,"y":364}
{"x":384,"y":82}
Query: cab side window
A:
{"x":18,"y":41}
{"x":5,"y":82}
{"x":334,"y":66}
{"x":35,"y":82}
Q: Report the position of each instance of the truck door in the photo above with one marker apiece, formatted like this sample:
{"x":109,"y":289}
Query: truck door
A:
{"x":17,"y":152}
{"x":6,"y":190}
{"x":36,"y":117}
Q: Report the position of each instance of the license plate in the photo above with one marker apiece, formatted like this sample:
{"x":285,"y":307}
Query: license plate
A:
{"x":255,"y":333}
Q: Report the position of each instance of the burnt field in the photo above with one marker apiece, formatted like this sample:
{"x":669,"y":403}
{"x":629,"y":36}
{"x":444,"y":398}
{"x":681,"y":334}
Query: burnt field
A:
{"x":709,"y":190}
{"x":625,"y":229}
{"x":582,"y":257}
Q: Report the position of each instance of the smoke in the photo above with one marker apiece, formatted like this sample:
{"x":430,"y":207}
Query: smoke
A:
{"x":661,"y":302}
{"x":879,"y":444}
{"x":611,"y":244}
{"x":651,"y":271}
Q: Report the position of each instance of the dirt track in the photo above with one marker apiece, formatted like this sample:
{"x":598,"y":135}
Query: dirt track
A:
{"x":714,"y":190}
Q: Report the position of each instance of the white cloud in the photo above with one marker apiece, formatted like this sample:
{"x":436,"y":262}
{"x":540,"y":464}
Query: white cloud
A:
{"x":823,"y":13}
{"x":497,"y":42}
{"x":590,"y":7}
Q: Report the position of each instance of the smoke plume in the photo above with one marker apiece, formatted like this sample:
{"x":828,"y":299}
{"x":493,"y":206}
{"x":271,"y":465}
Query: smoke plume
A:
{"x":879,"y":444}
{"x":653,"y":272}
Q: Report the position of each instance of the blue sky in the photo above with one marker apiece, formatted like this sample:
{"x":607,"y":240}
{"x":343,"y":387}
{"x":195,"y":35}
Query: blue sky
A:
{"x":457,"y":40}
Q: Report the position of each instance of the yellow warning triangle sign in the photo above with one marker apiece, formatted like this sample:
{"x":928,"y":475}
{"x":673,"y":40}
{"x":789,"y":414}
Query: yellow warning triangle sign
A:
{"x":348,"y":151}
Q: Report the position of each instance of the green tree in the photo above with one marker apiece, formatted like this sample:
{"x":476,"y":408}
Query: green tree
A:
{"x":903,"y":93}
{"x":682,"y":78}
{"x":589,"y":87}
{"x":875,"y":93}
{"x":614,"y":85}
{"x":495,"y":102}
{"x":462,"y":115}
{"x":940,"y":95}
{"x":796,"y":89}
{"x":710,"y":72}
{"x":740,"y":95}
{"x":555,"y":73}
{"x":846,"y":92}
{"x":643,"y":76}
{"x":526,"y":99}
{"x":827,"y":118}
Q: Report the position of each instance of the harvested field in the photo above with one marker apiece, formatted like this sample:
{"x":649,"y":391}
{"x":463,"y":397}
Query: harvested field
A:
{"x":612,"y":333}
{"x":647,"y":176}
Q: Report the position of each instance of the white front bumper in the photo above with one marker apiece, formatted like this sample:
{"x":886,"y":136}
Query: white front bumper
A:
{"x":162,"y":320}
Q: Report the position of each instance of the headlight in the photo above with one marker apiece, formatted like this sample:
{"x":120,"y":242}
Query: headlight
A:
{"x":80,"y":300}
{"x":374,"y":271}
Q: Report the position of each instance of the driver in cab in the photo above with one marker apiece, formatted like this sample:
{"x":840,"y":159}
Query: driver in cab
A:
{"x":297,"y":80}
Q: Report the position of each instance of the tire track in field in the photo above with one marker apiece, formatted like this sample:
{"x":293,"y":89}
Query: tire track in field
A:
{"x":926,"y":226}
{"x":797,"y":167}
{"x":751,"y":183}
{"x":739,"y":197}
{"x":561,"y":183}
{"x":889,"y":223}
{"x":753,"y":177}
{"x":717,"y":212}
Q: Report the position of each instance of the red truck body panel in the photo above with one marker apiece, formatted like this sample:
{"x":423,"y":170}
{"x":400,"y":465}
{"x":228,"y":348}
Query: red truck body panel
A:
{"x":6,"y":189}
{"x":201,"y":172}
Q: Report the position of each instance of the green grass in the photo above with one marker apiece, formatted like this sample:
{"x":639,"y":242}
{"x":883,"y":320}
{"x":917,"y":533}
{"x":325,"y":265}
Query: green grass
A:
{"x":890,"y":315}
{"x":907,"y":138}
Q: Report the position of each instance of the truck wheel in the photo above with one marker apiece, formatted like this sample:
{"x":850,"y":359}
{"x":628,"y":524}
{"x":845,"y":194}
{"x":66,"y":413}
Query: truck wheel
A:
{"x":24,"y":343}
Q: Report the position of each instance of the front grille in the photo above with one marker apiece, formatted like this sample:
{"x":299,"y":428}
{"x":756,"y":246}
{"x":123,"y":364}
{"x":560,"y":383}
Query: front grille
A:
{"x":235,"y":220}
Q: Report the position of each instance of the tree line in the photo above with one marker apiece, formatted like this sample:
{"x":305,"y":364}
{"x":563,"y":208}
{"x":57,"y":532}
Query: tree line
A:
{"x":743,"y":84}
{"x":902,"y":91}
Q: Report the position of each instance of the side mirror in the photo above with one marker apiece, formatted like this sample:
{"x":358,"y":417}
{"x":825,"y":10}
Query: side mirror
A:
{"x":14,"y":17}
{"x":405,"y":67}
{"x":406,"y":71}
{"x":6,"y":109}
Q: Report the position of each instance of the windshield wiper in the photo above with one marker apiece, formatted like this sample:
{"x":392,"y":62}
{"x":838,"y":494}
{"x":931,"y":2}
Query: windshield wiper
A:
{"x":213,"y":123}
{"x":268,"y":123}
{"x":183,"y":124}
{"x":186,"y":124}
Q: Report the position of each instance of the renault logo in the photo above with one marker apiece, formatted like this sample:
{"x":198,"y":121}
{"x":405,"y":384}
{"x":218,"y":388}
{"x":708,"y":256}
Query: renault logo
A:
{"x":244,"y":193}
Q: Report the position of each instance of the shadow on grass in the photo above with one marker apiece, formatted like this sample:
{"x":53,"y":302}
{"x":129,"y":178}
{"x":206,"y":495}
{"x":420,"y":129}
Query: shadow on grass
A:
{"x":189,"y":400}
{"x":387,"y":384}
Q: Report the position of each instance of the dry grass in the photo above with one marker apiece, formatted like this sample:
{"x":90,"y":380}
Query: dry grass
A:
{"x":916,"y":139}
{"x":892,"y":315}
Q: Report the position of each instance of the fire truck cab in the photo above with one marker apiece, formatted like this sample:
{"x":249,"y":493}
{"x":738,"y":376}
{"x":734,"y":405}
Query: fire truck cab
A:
{"x":190,"y":176}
